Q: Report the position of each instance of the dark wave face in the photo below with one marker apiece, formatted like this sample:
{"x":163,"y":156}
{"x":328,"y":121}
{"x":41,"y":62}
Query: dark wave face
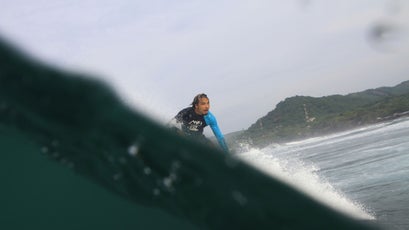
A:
{"x":81,"y":125}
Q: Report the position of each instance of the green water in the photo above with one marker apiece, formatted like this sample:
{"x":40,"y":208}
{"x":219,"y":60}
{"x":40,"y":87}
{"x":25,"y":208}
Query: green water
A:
{"x":74,"y":156}
{"x":37,"y":193}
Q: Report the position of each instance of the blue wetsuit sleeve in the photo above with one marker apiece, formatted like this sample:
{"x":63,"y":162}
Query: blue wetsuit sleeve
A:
{"x":210,"y":120}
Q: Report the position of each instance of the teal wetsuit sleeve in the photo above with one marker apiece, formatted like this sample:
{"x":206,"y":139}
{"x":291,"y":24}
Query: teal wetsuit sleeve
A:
{"x":210,"y":120}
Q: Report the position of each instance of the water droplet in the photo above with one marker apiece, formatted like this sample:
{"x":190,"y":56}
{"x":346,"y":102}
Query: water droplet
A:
{"x":175,"y":165}
{"x":55,"y":143}
{"x":133,"y":150}
{"x":156,"y":192}
{"x":239,"y":197}
{"x":64,"y":161}
{"x":386,"y":36}
{"x":117,"y":176}
{"x":122,"y":160}
{"x":44,"y":149}
{"x":147,"y":170}
{"x":71,"y":165}
{"x":167,"y":181}
{"x":173,"y":176}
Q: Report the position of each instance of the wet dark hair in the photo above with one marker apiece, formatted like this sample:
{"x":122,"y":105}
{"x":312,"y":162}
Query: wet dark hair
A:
{"x":197,"y":98}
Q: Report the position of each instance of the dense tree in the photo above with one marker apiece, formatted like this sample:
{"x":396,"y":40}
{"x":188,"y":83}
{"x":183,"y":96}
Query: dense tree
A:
{"x":302,"y":116}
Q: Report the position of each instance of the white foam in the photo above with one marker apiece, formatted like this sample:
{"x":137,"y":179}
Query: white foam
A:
{"x":305,"y":179}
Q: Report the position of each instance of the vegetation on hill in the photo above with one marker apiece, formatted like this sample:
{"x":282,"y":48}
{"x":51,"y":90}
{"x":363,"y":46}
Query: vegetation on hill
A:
{"x":301,"y":117}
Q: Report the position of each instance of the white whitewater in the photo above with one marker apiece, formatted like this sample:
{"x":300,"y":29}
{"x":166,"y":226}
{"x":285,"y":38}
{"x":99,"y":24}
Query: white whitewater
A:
{"x":303,"y":176}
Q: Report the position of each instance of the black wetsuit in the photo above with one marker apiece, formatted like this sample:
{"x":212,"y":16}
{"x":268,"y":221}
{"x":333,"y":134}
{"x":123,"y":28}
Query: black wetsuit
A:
{"x":192,"y":123}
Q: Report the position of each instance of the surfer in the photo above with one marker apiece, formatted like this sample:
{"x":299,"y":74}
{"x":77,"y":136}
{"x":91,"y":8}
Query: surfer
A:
{"x":192,"y":120}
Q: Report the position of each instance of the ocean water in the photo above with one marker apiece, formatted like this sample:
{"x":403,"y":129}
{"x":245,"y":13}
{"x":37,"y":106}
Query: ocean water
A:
{"x":363,"y":173}
{"x":74,"y":156}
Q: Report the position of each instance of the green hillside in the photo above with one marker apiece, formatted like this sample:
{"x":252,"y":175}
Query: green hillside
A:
{"x":301,"y":117}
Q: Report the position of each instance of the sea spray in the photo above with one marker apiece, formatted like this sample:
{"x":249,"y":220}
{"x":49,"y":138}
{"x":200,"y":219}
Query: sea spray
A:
{"x":304,"y":177}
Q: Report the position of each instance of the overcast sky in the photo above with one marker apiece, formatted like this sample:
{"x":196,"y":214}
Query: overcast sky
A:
{"x":246,"y":55}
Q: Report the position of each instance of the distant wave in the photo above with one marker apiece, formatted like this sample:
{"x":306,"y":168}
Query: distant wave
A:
{"x":340,"y":136}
